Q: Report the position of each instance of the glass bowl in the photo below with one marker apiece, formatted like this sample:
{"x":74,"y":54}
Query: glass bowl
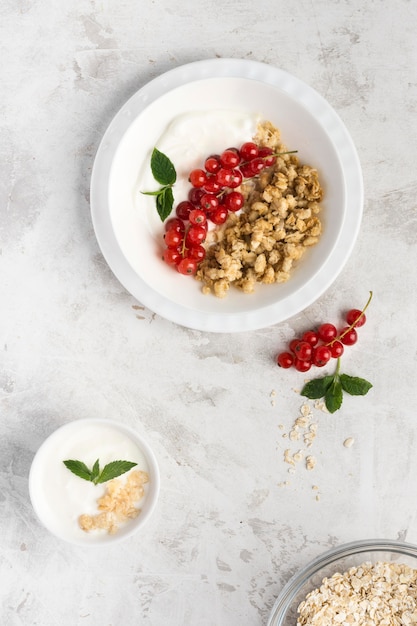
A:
{"x":340,"y":559}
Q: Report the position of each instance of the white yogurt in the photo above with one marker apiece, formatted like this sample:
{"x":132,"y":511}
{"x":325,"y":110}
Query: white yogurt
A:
{"x":188,"y":140}
{"x":59,"y":497}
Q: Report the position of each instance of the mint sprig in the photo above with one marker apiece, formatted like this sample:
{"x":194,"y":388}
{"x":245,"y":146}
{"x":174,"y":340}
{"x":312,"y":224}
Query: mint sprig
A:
{"x":164,"y":173}
{"x":331,"y":388}
{"x":109,"y":471}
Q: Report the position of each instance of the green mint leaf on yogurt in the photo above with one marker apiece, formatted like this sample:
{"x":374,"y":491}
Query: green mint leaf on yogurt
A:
{"x":164,"y":173}
{"x":95,"y":472}
{"x":114,"y":469}
{"x":162,"y":168}
{"x":79,"y":469}
{"x":109,"y":471}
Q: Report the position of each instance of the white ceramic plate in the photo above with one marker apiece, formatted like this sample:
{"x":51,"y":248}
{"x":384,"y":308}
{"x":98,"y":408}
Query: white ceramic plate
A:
{"x":127,"y":226}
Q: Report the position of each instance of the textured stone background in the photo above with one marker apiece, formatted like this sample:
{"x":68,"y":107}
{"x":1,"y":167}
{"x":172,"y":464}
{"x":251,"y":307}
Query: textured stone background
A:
{"x":225,"y":536}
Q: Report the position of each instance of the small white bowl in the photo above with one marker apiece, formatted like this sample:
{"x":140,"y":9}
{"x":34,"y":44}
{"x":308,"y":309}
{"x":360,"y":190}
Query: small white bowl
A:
{"x":59,"y":497}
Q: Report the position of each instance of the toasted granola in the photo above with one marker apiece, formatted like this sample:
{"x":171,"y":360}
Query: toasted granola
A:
{"x":279,"y":222}
{"x":118,"y":504}
{"x":379,"y":594}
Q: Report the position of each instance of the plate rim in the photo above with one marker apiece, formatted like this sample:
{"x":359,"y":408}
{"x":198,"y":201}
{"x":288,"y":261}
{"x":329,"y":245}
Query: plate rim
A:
{"x":213,"y":321}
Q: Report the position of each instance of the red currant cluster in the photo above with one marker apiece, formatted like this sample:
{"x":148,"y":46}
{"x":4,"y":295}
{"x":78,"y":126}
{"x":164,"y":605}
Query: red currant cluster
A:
{"x":212,"y":196}
{"x":318,"y":347}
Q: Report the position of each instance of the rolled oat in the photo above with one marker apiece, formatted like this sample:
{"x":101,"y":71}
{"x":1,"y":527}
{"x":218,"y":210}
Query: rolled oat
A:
{"x":379,"y":594}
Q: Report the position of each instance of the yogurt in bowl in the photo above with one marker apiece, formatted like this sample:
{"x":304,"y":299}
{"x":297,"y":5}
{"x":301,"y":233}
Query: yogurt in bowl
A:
{"x":78,"y":507}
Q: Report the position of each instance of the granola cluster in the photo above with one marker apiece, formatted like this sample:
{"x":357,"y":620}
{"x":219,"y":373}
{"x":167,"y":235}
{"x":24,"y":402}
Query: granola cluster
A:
{"x":118,"y":504}
{"x":380,"y":594}
{"x":280,"y":221}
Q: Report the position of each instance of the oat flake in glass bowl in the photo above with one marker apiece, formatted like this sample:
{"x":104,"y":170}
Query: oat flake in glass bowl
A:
{"x":340,"y":560}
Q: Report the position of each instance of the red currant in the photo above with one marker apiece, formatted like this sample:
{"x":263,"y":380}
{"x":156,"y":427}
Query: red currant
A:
{"x":197,"y":217}
{"x":194,"y":195}
{"x":173,"y":238}
{"x":234,"y":201}
{"x":172,"y":256}
{"x":223,"y":177}
{"x":174,"y":223}
{"x":310,"y":337}
{"x":198,"y":178}
{"x":195,"y":236}
{"x":336,"y":349}
{"x":256,"y":166}
{"x":348,"y":336}
{"x":209,"y":202}
{"x":267,"y":155}
{"x":293,"y":344}
{"x":212,"y":185}
{"x":249,"y":151}
{"x":285,"y":360}
{"x":356,"y":318}
{"x":321,"y":356}
{"x":212,"y":163}
{"x":230,"y":159}
{"x":246,"y":170}
{"x":187,"y":266}
{"x":236,"y":179}
{"x":303,"y":351}
{"x":327,"y":332}
{"x":183,"y":209}
{"x":197,"y":252}
{"x":219,"y":215}
{"x":302,"y":366}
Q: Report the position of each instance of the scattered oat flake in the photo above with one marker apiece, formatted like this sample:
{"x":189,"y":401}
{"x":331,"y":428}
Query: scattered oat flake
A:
{"x":310,"y":462}
{"x":288,"y":458}
{"x":348,"y":443}
{"x":298,"y":456}
{"x":294,"y":434}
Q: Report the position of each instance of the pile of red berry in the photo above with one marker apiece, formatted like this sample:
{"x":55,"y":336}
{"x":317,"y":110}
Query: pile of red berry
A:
{"x":318,"y":347}
{"x":212,"y":196}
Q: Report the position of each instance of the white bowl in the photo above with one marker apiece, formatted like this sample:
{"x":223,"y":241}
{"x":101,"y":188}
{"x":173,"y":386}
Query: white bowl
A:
{"x":59,"y":497}
{"x":126,"y":223}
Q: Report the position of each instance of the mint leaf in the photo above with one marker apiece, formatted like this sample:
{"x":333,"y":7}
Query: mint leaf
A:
{"x":334,"y":396}
{"x":317,"y":388}
{"x":111,"y":470}
{"x":78,"y":468}
{"x":114,"y":469}
{"x":354,"y":385}
{"x":162,"y":168}
{"x":164,"y":202}
{"x":95,"y":471}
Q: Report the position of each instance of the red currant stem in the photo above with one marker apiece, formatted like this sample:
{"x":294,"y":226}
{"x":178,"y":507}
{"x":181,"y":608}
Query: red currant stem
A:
{"x":268,"y":156}
{"x":280,"y":153}
{"x":183,"y":246}
{"x":349,"y":328}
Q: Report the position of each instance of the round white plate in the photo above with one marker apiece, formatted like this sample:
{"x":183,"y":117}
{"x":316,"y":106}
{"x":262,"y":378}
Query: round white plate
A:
{"x":126,"y":224}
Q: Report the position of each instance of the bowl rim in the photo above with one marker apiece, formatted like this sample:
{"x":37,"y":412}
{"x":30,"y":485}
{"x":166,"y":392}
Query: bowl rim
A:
{"x":152,"y":495}
{"x":289,"y":590}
